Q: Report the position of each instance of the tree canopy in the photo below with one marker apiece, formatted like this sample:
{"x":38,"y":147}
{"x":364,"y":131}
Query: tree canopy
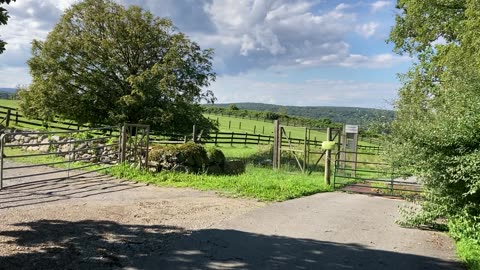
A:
{"x":105,"y":64}
{"x":436,"y":132}
{"x":3,"y":20}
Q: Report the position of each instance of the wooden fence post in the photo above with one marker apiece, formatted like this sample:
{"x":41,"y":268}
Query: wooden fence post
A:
{"x":229,"y":123}
{"x":194,"y":134}
{"x":254,"y":129}
{"x":328,"y":155}
{"x":216,"y":138}
{"x":16,"y":118}
{"x":7,"y":122}
{"x":305,"y":153}
{"x":276,"y":143}
{"x":246,"y":134}
{"x":123,"y":144}
{"x":240,"y":125}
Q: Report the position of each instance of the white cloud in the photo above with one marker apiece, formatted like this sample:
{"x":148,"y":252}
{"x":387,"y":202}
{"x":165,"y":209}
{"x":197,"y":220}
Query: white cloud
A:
{"x":368,"y":29}
{"x":244,"y":88}
{"x":378,"y":5}
{"x":14,"y":76}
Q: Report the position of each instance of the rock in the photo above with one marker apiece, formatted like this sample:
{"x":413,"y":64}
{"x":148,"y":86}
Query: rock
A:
{"x":55,"y":138}
{"x":65,"y":148}
{"x":86,"y":156}
{"x":81,"y":146}
{"x":32,"y":148}
{"x":214,"y":170}
{"x":26,"y":139}
{"x":45,"y":140}
{"x":44,"y":148}
{"x":234,"y":167}
{"x":18,"y":137}
{"x":180,"y":168}
{"x":266,"y":162}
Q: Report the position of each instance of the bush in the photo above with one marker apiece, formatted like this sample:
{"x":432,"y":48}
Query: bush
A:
{"x":192,"y":156}
{"x":216,"y":157}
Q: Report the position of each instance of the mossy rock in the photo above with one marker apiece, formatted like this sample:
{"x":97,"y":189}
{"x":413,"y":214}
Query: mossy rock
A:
{"x":193,"y":156}
{"x":214,"y":170}
{"x":234,"y":167}
{"x":216,"y":157}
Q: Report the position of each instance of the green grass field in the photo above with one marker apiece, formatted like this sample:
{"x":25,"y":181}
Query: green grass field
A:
{"x":242,"y":125}
{"x":9,"y":103}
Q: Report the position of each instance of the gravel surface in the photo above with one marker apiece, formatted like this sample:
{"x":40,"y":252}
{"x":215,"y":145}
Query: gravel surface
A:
{"x":96,"y":222}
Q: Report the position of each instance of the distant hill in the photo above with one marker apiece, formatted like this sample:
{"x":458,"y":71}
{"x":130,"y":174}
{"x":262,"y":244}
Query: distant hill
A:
{"x":6,"y":93}
{"x":9,"y":90}
{"x":348,"y":115}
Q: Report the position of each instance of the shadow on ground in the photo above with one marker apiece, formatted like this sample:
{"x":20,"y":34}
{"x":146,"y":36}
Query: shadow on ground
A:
{"x":56,"y":244}
{"x":60,"y":189}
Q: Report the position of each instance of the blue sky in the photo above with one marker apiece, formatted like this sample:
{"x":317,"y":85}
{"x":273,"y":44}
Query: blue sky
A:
{"x":289,"y":52}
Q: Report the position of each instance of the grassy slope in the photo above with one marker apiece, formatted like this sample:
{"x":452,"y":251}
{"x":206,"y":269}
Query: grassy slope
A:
{"x":262,"y":127}
{"x":9,"y":103}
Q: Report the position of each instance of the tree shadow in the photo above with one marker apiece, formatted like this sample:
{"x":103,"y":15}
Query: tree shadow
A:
{"x":89,"y":244}
{"x":60,"y":189}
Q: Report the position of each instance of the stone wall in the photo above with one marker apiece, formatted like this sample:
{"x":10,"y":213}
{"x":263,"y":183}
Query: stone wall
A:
{"x":90,"y":150}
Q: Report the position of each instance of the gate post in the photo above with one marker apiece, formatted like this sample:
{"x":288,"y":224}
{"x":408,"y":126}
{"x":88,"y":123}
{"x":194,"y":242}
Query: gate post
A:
{"x":147,"y":167}
{"x":2,"y":154}
{"x":328,"y":156}
{"x":123,"y":144}
{"x":276,"y":128}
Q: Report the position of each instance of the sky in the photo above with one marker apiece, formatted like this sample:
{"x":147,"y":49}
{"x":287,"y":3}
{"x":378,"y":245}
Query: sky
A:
{"x":286,"y":52}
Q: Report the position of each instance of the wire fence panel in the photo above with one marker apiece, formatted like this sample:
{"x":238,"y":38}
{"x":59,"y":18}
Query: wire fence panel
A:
{"x":37,"y":156}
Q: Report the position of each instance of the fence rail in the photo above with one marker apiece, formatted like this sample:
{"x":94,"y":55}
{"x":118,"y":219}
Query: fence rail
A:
{"x":12,"y":115}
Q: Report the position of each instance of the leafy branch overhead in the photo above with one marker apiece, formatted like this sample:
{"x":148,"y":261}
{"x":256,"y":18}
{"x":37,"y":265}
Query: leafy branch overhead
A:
{"x":104,"y":64}
{"x":3,"y":20}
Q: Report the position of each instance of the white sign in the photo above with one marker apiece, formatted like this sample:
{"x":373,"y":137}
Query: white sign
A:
{"x":351,"y":129}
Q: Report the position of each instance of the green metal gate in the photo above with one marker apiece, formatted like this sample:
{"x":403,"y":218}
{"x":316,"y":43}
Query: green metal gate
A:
{"x":370,"y":174}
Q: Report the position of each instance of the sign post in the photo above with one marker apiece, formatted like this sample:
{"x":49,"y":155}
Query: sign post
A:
{"x":349,"y":147}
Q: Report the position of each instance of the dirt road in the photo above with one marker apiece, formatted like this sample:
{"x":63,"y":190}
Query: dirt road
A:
{"x":95,"y":222}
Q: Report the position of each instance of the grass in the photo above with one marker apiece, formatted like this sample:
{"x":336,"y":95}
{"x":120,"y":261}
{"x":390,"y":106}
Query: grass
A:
{"x":9,"y":103}
{"x":257,"y":183}
{"x":260,"y":127}
{"x":469,"y":252}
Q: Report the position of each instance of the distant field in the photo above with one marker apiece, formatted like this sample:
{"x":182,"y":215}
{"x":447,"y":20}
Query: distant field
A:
{"x":9,"y":103}
{"x":232,"y":124}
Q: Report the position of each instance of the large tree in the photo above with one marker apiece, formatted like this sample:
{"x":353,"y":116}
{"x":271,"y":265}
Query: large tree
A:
{"x":436,"y":132}
{"x":104,"y":64}
{"x":3,"y":20}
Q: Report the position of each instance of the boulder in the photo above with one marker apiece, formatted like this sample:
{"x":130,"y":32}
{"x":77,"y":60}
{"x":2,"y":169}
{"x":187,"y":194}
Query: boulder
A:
{"x":234,"y":167}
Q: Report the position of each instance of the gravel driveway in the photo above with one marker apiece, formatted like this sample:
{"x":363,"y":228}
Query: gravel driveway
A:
{"x":96,"y":222}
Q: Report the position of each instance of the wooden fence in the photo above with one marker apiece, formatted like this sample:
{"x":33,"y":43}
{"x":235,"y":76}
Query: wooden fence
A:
{"x":13,"y":116}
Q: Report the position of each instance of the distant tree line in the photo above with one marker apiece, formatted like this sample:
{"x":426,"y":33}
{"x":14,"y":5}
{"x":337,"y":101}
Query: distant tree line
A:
{"x":285,"y":119}
{"x":347,"y":115}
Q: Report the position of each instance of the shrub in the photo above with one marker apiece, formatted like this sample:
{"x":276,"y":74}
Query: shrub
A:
{"x":193,"y":156}
{"x":216,"y":157}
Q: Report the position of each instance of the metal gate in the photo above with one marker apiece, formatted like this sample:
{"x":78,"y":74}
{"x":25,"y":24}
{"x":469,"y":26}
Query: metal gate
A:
{"x":34,"y":156}
{"x":369,"y":174}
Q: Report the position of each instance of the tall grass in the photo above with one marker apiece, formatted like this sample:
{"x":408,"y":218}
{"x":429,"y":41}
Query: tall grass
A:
{"x":257,"y":183}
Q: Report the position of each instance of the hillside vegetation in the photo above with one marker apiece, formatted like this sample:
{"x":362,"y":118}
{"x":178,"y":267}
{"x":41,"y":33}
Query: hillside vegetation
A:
{"x":348,"y":115}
